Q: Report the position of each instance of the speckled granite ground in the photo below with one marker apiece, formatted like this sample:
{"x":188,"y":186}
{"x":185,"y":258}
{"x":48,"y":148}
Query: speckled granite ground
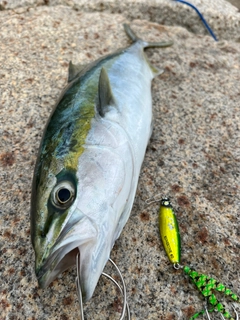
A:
{"x":193,"y":157}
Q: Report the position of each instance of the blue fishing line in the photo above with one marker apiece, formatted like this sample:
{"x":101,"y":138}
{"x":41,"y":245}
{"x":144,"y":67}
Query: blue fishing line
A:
{"x":201,"y":17}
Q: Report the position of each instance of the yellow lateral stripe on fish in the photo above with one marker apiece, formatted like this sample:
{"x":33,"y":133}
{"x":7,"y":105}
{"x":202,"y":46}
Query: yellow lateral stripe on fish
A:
{"x":169,"y":231}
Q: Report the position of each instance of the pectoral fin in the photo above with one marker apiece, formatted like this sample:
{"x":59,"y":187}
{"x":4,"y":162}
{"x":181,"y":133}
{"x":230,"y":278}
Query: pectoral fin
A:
{"x":105,"y":95}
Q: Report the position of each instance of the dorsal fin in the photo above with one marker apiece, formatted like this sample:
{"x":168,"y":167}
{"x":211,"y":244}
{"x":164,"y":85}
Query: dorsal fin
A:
{"x":74,"y":70}
{"x":105,"y":95}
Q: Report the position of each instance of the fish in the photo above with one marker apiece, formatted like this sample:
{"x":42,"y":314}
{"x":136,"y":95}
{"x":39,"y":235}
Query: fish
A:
{"x":89,"y":162}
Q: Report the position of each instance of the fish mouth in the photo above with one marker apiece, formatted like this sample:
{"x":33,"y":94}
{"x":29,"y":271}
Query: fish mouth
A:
{"x":57,"y":263}
{"x":75,"y":237}
{"x":83,"y":237}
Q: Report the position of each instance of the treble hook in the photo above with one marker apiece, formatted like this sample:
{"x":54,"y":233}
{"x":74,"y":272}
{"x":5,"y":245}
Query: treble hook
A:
{"x":121,"y":289}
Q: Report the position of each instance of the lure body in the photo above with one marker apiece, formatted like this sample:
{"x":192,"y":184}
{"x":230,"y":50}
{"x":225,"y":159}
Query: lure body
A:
{"x":169,"y":231}
{"x":88,"y":165}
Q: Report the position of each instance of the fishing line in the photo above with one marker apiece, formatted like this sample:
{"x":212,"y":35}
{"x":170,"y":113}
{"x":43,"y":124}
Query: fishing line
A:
{"x":201,"y":17}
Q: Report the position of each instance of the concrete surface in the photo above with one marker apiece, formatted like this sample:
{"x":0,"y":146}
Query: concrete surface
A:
{"x":236,"y":3}
{"x":193,"y":155}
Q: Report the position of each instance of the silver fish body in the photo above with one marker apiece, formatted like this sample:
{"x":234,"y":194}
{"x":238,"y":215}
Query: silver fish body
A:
{"x":88,"y":165}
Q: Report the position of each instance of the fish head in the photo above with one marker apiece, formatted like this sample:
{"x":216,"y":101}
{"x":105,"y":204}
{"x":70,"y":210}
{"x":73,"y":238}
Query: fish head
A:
{"x":59,"y":229}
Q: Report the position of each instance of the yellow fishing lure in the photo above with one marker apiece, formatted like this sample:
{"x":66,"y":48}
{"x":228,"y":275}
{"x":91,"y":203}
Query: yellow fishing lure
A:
{"x":169,"y":231}
{"x":208,"y":286}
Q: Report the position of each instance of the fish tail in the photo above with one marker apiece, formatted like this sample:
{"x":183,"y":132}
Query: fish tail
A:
{"x":131,"y":34}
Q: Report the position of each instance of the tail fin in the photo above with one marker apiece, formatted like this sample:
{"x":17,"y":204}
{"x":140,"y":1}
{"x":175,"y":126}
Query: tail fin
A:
{"x":135,"y":38}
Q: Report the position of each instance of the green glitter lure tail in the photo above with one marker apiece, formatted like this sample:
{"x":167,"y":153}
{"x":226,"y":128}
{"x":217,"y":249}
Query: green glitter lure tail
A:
{"x":206,"y":285}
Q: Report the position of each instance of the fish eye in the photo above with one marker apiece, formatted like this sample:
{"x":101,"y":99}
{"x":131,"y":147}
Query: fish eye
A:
{"x":63,"y":194}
